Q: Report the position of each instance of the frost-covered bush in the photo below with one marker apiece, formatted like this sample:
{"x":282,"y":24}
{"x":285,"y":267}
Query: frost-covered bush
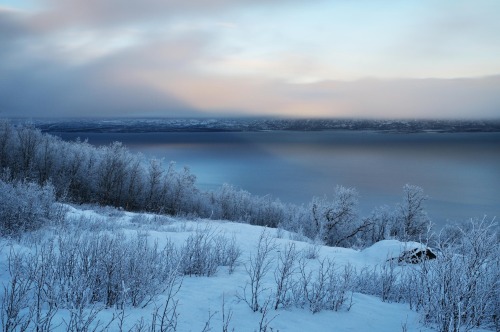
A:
{"x":24,"y":206}
{"x":113,"y":269}
{"x":379,"y":223}
{"x":83,"y":273}
{"x":384,"y":280}
{"x":457,"y":291}
{"x":230,"y":203}
{"x":205,"y":250}
{"x":266,"y":211}
{"x":461,"y":288}
{"x":226,"y":251}
{"x":107,"y":175}
{"x":297,"y":220}
{"x":198,"y":254}
{"x":81,"y":269}
{"x":335,"y":221}
{"x":296,"y":283}
{"x":326,"y":288}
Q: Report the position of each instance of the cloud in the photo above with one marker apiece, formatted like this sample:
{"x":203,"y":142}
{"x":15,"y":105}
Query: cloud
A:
{"x":113,"y":12}
{"x":10,"y":26}
{"x":46,"y":90}
{"x":49,"y":90}
{"x":90,"y":58}
{"x":15,"y":29}
{"x":402,"y":98}
{"x":47,"y":83}
{"x":427,"y":98}
{"x":64,"y":73}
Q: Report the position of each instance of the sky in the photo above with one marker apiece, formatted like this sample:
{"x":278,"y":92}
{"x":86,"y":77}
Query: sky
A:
{"x":189,"y":58}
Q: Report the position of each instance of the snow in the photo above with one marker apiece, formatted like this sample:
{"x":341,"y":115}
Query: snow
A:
{"x":388,"y":249}
{"x":200,"y":297}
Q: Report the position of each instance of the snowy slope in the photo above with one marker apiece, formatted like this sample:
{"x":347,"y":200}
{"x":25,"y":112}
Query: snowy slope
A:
{"x":200,"y":297}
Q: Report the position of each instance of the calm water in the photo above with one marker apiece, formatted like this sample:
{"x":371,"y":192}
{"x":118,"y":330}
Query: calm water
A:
{"x":459,"y":172}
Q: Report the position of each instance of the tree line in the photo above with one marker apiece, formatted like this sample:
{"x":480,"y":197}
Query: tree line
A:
{"x":47,"y":168}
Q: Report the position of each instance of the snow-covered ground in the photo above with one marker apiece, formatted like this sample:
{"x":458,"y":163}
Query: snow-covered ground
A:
{"x":202,"y":297}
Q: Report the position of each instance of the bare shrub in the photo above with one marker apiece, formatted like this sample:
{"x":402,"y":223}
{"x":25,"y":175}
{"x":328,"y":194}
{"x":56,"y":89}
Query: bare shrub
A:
{"x":227,"y":252}
{"x":457,"y":291}
{"x":258,"y":266}
{"x":84,"y":319}
{"x":226,"y":316}
{"x":205,"y":250}
{"x":199,"y":257}
{"x":24,"y":206}
{"x":460,"y":288}
{"x":283,"y":275}
{"x":327,"y":288}
{"x":16,"y":295}
{"x":367,"y":281}
{"x":155,"y":221}
{"x":79,"y":271}
{"x":311,"y":251}
{"x":265,"y":318}
{"x":165,"y":317}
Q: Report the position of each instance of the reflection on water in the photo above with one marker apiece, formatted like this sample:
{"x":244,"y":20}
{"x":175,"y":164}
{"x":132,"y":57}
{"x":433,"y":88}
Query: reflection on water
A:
{"x":459,"y":172}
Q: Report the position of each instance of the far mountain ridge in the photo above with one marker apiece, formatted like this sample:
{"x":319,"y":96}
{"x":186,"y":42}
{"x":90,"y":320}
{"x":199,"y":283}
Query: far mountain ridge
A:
{"x":144,"y":125}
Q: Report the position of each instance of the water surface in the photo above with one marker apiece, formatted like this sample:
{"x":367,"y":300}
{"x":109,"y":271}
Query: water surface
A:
{"x":460,"y":172}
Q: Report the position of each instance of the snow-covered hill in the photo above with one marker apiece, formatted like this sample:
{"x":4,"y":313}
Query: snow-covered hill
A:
{"x":201,"y":298}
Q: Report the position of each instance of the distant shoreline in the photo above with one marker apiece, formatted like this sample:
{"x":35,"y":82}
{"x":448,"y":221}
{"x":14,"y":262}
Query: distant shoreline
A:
{"x":149,"y":125}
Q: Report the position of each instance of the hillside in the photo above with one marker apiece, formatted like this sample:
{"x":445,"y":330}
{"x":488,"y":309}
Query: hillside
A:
{"x":201,"y":297}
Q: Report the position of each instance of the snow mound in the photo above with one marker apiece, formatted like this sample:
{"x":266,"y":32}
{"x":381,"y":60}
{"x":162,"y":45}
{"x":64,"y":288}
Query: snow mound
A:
{"x":388,"y":249}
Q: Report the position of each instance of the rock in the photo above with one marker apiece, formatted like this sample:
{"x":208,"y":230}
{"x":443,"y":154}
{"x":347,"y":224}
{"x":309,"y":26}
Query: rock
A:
{"x":416,"y":255}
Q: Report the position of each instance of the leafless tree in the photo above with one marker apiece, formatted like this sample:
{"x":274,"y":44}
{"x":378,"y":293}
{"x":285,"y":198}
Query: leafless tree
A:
{"x":336,"y":220}
{"x":412,"y":220}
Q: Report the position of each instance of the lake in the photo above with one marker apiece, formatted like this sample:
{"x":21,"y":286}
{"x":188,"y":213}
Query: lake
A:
{"x":460,"y":172}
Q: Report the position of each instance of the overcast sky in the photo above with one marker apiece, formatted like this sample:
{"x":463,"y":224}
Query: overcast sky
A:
{"x":336,"y":58}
